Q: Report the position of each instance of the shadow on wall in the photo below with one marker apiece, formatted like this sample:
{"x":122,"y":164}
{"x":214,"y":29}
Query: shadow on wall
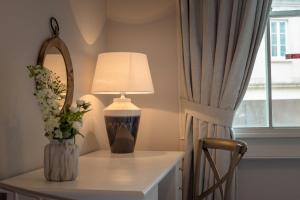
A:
{"x":21,"y":125}
{"x":90,"y":16}
{"x":139,"y":11}
{"x":93,"y":121}
{"x":13,"y":145}
{"x":150,"y":27}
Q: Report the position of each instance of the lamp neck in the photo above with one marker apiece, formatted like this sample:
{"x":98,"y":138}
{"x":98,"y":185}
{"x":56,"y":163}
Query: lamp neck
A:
{"x":122,"y":98}
{"x":122,"y":95}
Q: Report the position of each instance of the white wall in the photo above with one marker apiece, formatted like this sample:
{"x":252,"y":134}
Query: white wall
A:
{"x":268,"y":179}
{"x":24,"y":26}
{"x":270,"y":168}
{"x":150,"y":26}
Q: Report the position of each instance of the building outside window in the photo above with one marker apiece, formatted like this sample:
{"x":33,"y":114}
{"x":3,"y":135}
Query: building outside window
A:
{"x":273,"y":95}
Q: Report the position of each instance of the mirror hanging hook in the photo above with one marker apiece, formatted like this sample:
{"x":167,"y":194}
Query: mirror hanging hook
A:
{"x":54,"y":26}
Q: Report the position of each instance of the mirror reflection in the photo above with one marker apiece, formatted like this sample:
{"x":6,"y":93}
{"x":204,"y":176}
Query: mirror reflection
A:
{"x":54,"y":61}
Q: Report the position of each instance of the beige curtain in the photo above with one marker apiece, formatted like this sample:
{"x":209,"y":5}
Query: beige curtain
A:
{"x":220,"y":40}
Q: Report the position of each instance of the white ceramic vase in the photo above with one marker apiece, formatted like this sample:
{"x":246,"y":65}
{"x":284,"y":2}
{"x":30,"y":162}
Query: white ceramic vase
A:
{"x":61,"y":160}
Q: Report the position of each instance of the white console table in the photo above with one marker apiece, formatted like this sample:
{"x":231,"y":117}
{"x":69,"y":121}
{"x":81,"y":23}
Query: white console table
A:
{"x":143,"y":175}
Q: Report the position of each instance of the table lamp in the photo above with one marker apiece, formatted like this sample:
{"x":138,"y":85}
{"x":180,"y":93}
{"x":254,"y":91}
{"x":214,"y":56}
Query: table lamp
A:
{"x":122,"y":73}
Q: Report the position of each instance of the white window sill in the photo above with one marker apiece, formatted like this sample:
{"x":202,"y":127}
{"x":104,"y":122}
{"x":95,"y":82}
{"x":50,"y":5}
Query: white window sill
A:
{"x":270,"y":143}
{"x":267,"y":132}
{"x":283,"y":60}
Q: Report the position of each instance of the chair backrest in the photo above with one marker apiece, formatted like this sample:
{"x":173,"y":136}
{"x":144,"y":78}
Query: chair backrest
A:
{"x":237,"y":149}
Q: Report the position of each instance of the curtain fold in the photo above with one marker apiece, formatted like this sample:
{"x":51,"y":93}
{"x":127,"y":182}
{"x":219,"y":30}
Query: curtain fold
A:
{"x":220,"y":40}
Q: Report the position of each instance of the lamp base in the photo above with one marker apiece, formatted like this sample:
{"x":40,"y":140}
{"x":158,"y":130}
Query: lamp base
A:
{"x":122,"y":121}
{"x":122,"y":133}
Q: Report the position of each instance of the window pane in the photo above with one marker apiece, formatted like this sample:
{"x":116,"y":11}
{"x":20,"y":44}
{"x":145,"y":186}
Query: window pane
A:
{"x":274,"y":39}
{"x":285,"y":73}
{"x":282,"y":27}
{"x":282,"y":39}
{"x":282,"y":51}
{"x":273,"y":27}
{"x":286,"y":79}
{"x":274,"y":51}
{"x":253,"y":110}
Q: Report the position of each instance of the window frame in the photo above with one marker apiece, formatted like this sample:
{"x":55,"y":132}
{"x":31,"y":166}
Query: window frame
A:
{"x":270,"y":131}
{"x":277,"y":21}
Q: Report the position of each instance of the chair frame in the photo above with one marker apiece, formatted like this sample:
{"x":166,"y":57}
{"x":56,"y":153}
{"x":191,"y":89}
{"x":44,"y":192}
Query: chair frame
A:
{"x":237,"y":149}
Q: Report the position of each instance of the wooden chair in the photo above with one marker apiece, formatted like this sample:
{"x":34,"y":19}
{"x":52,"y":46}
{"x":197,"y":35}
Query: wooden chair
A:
{"x":237,"y":149}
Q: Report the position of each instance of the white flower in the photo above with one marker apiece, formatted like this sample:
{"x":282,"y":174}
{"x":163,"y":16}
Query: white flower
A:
{"x":50,"y":136}
{"x":76,"y":125}
{"x":50,"y":92}
{"x":80,"y":102}
{"x":58,"y":134}
{"x":40,"y":77}
{"x":74,"y":109}
{"x":51,"y":123}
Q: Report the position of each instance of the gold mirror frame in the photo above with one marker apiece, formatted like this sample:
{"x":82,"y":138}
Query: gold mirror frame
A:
{"x":58,"y":43}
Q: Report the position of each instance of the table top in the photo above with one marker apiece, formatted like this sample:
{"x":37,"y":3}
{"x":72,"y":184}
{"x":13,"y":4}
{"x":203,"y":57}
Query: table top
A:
{"x":104,"y":173}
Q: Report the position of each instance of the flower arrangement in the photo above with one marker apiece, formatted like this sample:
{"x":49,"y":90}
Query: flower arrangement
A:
{"x":50,"y":91}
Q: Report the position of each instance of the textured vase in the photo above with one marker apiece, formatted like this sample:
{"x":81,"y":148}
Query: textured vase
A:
{"x":61,"y":160}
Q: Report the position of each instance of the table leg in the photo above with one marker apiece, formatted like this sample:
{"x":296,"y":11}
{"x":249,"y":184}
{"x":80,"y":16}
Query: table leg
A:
{"x":170,"y":187}
{"x":153,"y":194}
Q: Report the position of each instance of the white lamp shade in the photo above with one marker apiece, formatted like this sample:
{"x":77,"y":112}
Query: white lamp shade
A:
{"x":122,"y":72}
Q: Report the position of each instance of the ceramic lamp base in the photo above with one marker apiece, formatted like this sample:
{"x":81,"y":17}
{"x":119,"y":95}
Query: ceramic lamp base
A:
{"x":122,"y":122}
{"x":122,"y":133}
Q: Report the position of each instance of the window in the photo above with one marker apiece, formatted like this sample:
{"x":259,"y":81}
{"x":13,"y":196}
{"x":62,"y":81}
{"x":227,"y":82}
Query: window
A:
{"x":273,"y":95}
{"x":278,"y":38}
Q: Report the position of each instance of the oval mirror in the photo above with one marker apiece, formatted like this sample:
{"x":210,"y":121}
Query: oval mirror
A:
{"x":54,"y":61}
{"x":55,"y":56}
